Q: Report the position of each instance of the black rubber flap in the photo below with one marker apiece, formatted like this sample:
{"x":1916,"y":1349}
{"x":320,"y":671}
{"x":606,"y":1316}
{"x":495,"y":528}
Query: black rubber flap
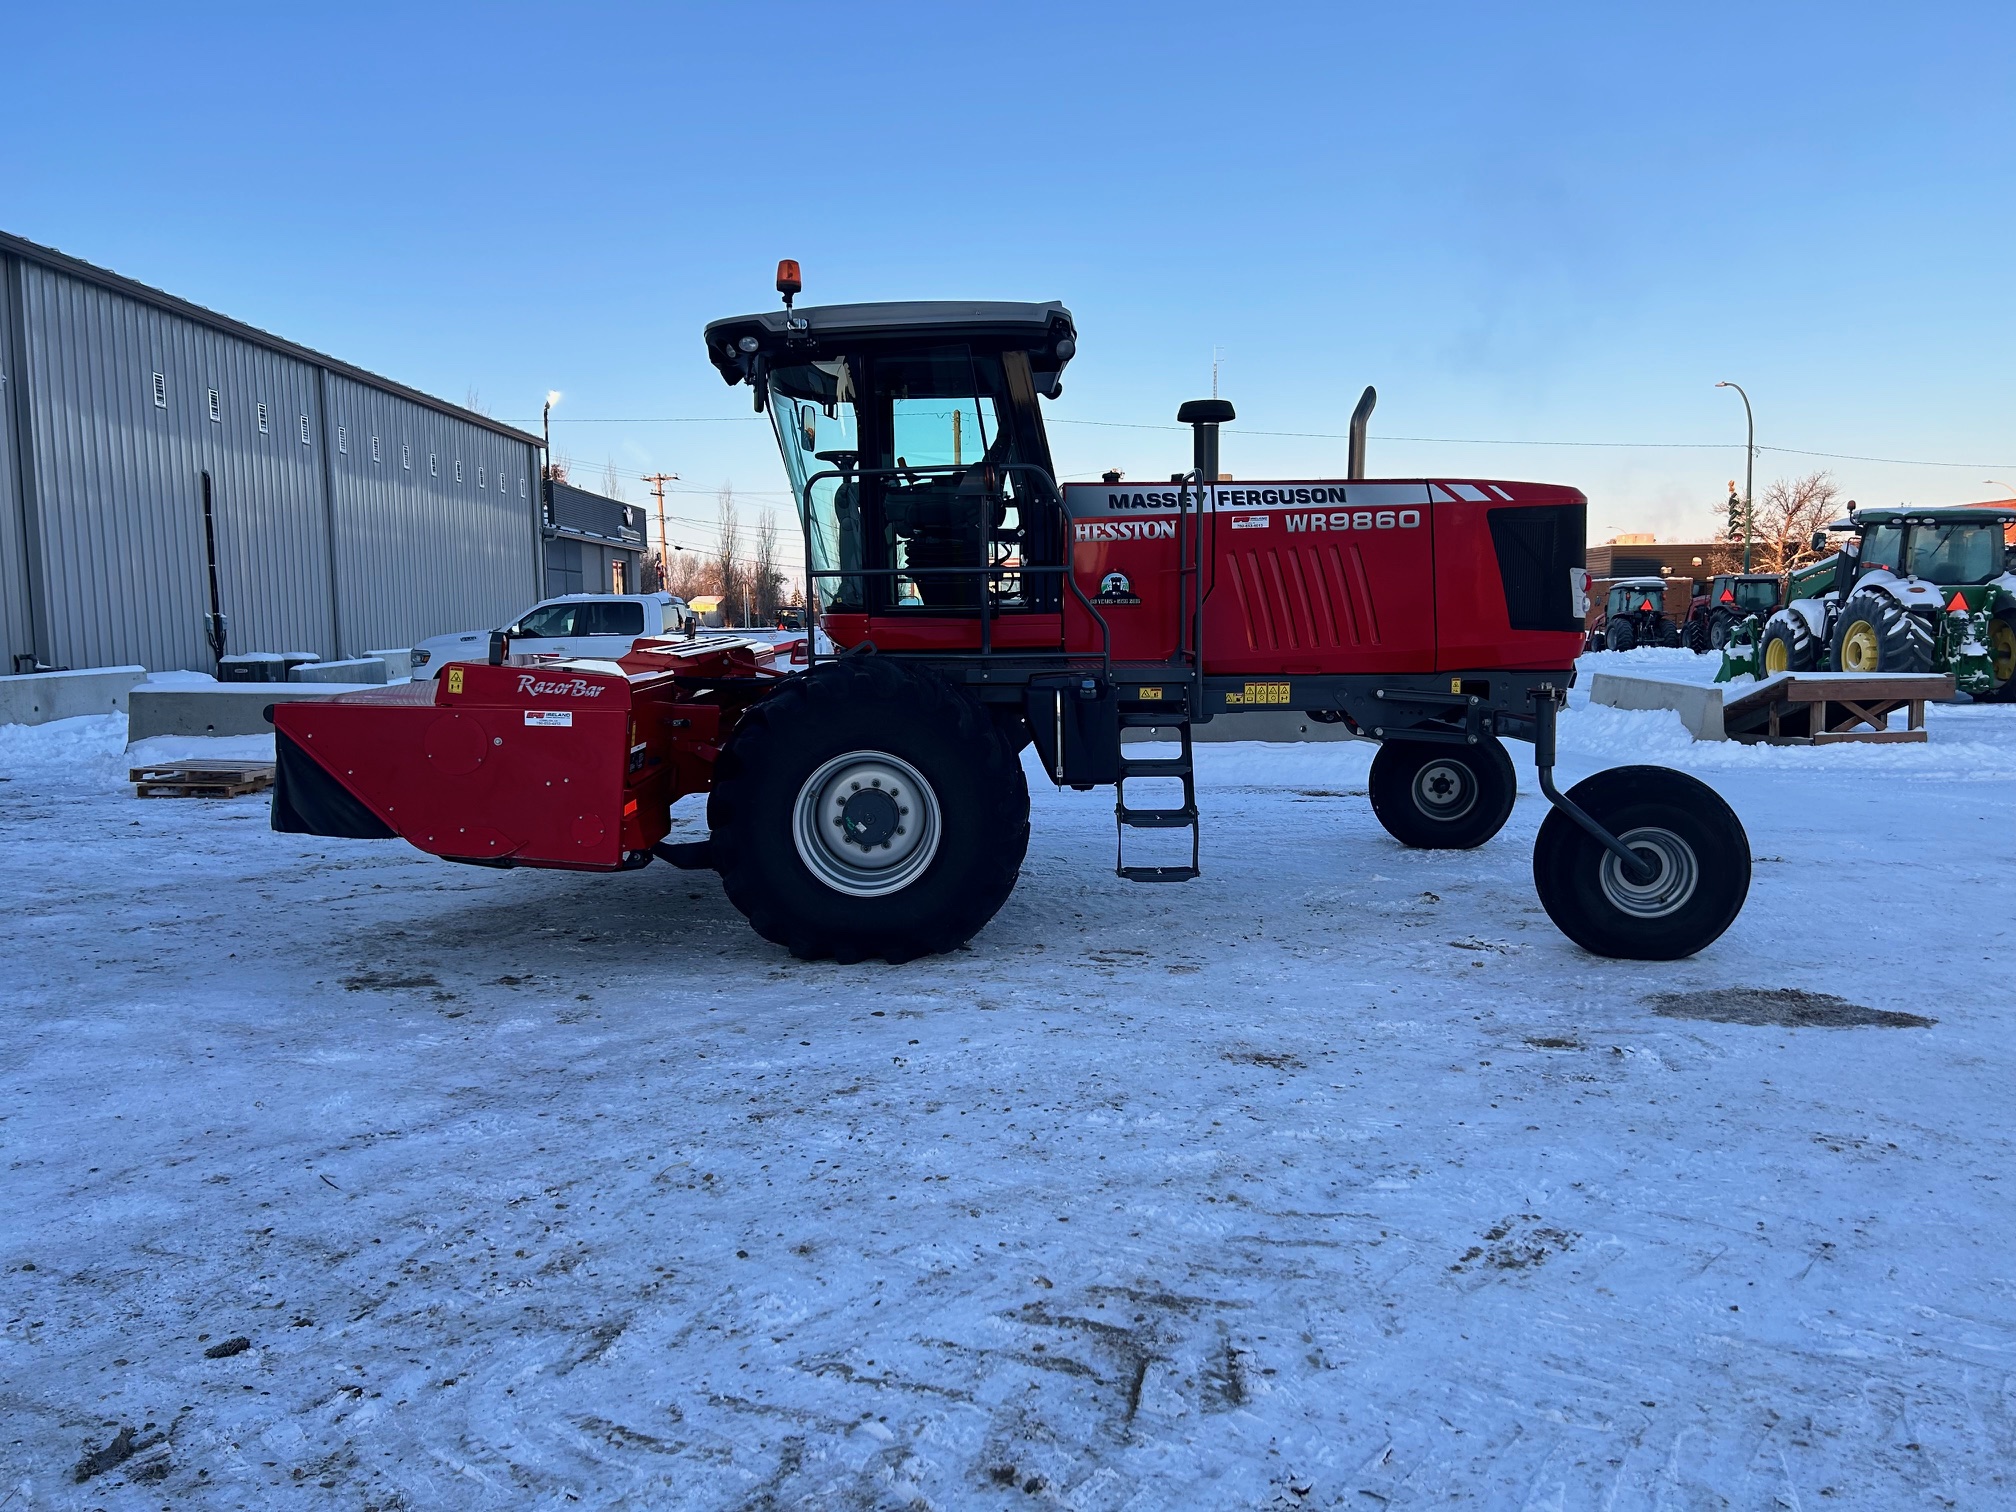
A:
{"x":308,"y":801}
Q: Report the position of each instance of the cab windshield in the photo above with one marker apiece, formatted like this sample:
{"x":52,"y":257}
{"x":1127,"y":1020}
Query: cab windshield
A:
{"x":1756,"y":596}
{"x":1633,"y":600}
{"x":918,"y":470}
{"x":1958,"y":553}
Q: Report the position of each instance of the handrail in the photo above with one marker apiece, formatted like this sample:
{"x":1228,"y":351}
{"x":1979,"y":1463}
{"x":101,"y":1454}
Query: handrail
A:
{"x":984,"y":571}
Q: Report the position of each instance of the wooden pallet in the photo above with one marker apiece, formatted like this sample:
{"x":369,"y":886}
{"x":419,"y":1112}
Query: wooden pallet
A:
{"x":1827,"y":708}
{"x":201,"y":779}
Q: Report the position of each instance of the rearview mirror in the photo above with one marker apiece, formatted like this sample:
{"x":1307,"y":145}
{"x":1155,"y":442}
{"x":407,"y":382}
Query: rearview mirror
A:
{"x":1819,"y":541}
{"x":808,"y":425}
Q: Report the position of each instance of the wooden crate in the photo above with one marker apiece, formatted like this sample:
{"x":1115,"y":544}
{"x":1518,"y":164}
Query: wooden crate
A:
{"x":201,"y":779}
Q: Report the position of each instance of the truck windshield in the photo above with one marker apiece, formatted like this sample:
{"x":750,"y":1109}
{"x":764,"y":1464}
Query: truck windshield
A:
{"x":1959,"y":553}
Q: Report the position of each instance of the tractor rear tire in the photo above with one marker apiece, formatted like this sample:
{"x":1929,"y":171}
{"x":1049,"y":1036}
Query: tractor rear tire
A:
{"x":1877,"y":634}
{"x":1719,"y":626}
{"x":1442,"y":797}
{"x":1620,"y":635}
{"x":1787,"y":645}
{"x":1683,"y":827}
{"x":1698,"y":634}
{"x":941,"y":828}
{"x":2002,"y":656}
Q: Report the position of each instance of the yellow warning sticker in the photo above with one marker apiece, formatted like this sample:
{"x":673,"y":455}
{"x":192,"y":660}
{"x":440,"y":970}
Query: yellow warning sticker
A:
{"x":1255,"y":695}
{"x":1455,"y":685}
{"x":1149,"y":695}
{"x":454,"y":679}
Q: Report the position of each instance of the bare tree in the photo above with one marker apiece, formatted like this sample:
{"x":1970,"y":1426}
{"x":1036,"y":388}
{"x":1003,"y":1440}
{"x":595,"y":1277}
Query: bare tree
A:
{"x":1784,"y":520}
{"x":474,"y":401}
{"x":689,"y":575}
{"x":612,"y":481}
{"x":768,"y":581}
{"x":727,"y":548}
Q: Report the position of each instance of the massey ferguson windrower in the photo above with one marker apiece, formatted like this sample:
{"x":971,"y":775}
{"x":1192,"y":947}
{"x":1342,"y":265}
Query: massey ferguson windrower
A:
{"x":871,"y":801}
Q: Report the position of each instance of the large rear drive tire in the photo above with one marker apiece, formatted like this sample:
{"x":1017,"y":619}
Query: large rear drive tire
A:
{"x":868,"y":809}
{"x":1442,"y":797}
{"x":1694,"y":840}
{"x":1877,"y":634}
{"x":1719,"y":626}
{"x":1620,"y":635}
{"x":1788,"y":644}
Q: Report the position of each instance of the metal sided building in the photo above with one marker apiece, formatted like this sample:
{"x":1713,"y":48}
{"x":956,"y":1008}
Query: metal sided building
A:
{"x":593,"y":544}
{"x":150,"y":448}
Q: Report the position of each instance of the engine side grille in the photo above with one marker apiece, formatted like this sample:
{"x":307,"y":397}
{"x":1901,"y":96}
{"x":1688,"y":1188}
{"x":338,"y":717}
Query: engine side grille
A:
{"x":1538,"y":545}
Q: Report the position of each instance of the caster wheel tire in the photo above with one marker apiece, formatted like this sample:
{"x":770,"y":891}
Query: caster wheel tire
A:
{"x":1442,"y":797}
{"x":1697,"y":848}
{"x":868,"y":809}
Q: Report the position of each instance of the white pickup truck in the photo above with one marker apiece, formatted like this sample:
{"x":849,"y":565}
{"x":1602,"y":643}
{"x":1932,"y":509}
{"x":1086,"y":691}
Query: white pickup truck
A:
{"x":603,"y":625}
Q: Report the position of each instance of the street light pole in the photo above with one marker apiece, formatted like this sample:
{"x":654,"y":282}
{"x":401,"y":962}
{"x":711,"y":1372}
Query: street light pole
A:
{"x":1749,"y":474}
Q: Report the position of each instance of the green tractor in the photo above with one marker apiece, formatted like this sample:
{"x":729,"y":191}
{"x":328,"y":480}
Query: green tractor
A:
{"x":1909,"y":590}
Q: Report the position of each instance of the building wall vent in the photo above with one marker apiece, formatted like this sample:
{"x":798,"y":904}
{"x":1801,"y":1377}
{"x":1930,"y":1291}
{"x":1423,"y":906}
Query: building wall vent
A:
{"x":374,"y":449}
{"x":160,"y":391}
{"x":521,"y":485}
{"x":216,"y":408}
{"x":433,"y":464}
{"x":264,"y":420}
{"x":458,"y":469}
{"x":479,"y":479}
{"x":305,"y":441}
{"x":405,"y":456}
{"x":343,"y":439}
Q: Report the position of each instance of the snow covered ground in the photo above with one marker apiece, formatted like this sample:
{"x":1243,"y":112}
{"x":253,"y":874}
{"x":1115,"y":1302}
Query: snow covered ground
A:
{"x":1336,"y":1178}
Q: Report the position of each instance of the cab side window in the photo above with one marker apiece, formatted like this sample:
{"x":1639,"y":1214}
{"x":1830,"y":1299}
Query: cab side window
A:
{"x":1883,"y":546}
{"x":549,"y":623}
{"x":610,"y":619}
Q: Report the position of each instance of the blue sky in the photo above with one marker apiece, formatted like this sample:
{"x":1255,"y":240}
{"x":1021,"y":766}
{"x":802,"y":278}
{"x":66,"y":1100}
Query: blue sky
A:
{"x":1523,"y":223}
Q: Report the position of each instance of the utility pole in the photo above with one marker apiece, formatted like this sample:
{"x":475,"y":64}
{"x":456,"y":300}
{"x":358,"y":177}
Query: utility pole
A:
{"x":1749,"y":474}
{"x":658,"y":482}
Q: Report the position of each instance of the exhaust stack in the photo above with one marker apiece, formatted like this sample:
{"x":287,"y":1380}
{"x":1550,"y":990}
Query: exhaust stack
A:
{"x":1360,"y":417}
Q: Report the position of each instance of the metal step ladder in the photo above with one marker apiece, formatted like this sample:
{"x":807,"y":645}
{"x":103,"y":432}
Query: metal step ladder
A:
{"x":1185,"y":817}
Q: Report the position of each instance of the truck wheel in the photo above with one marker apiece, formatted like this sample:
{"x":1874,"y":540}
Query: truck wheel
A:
{"x":1442,"y":797}
{"x":2002,"y":656}
{"x":1621,"y":635}
{"x":868,"y":809}
{"x":1877,"y":634}
{"x":1788,"y":644}
{"x":1694,"y":840}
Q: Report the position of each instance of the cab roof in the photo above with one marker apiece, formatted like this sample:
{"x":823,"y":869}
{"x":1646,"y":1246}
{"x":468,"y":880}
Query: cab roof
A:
{"x":1951,"y":514}
{"x":1044,"y":330}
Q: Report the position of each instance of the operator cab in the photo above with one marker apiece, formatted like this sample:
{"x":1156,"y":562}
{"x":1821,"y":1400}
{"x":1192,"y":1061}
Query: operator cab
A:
{"x":1638,"y":596}
{"x":915,"y":449}
{"x":1951,"y":547}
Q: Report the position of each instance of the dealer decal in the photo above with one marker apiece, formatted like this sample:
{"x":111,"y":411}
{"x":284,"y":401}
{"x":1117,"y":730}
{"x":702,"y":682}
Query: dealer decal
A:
{"x":550,"y":718}
{"x":573,"y":687}
{"x":1249,"y":522}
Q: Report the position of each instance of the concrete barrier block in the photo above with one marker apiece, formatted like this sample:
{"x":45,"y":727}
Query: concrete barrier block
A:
{"x":398,"y":662}
{"x":1699,"y":705}
{"x":1275,"y":726}
{"x":217,"y":709}
{"x":361,"y":669}
{"x":38,"y":697}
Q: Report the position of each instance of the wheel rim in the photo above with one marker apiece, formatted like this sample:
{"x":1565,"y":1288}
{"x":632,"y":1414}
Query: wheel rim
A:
{"x":867,"y":824}
{"x":1777,"y":657}
{"x":1675,"y":876}
{"x":1860,"y":649}
{"x":2002,"y":649}
{"x":1445,"y":790}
